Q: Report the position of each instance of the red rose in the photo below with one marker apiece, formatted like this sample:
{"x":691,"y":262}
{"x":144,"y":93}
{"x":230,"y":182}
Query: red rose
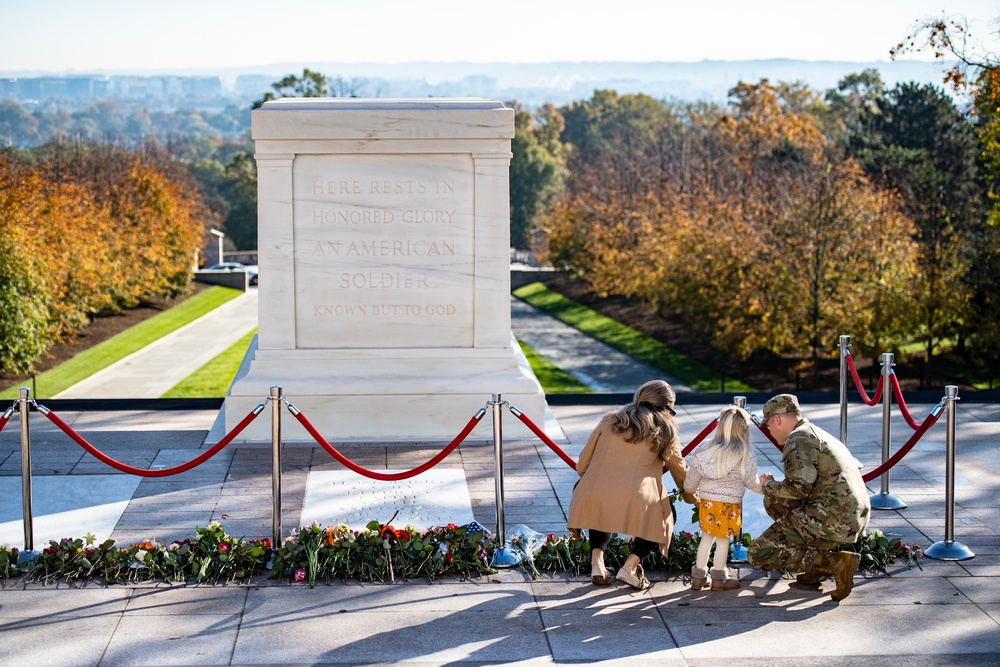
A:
{"x":403,"y":535}
{"x":550,"y":537}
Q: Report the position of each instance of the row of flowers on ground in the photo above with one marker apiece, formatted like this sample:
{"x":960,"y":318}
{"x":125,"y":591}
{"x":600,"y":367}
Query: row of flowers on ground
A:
{"x":380,"y":552}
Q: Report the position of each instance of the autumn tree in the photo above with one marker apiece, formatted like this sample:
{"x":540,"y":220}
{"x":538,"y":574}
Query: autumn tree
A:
{"x":746,"y":221}
{"x":88,"y":229}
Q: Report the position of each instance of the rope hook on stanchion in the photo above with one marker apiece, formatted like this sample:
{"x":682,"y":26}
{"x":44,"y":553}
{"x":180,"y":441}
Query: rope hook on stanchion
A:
{"x":949,"y":549}
{"x":885,"y":500}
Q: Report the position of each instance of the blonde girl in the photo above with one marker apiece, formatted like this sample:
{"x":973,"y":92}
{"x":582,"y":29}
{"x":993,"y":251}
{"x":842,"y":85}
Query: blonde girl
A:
{"x":719,"y":472}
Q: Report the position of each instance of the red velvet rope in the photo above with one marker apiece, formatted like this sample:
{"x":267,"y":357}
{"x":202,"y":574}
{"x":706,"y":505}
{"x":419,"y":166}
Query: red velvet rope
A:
{"x":569,"y":460}
{"x":898,"y":393}
{"x":698,"y":438}
{"x":546,"y":439}
{"x":3,"y":421}
{"x":143,"y":472}
{"x":388,"y":477}
{"x":861,"y":389}
{"x":894,"y":459}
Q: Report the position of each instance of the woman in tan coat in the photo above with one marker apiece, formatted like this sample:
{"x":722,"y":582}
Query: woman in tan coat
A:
{"x":621,"y":482}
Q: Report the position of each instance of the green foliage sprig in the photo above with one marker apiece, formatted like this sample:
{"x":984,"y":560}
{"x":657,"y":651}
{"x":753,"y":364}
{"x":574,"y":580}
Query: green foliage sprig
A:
{"x":878,"y":552}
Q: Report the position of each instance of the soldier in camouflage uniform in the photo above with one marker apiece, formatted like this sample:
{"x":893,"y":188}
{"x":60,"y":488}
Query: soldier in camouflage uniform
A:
{"x":821,"y":504}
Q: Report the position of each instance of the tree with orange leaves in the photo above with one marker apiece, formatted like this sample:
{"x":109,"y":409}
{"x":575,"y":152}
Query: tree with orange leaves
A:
{"x":85,"y":230}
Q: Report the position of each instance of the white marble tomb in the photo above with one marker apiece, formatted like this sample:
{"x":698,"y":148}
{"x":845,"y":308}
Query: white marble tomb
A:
{"x":384,"y":270}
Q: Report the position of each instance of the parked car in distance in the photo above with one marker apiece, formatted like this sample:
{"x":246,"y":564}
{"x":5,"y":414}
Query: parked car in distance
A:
{"x":229,"y":267}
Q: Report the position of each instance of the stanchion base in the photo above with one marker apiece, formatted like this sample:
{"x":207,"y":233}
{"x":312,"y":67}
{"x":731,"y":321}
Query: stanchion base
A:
{"x":886,"y":501}
{"x":946,"y":550}
{"x":25,"y":559}
{"x":505,"y":557}
{"x":737,"y":553}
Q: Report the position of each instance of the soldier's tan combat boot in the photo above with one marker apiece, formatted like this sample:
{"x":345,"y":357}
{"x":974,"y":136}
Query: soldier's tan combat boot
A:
{"x":841,"y":565}
{"x":812,"y":578}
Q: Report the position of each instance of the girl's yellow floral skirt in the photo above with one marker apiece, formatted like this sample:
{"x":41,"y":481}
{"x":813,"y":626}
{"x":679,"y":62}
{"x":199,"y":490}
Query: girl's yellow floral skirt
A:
{"x":720,"y":519}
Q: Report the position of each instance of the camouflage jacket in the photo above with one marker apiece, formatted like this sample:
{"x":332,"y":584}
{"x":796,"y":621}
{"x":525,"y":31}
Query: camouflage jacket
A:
{"x":823,"y":476}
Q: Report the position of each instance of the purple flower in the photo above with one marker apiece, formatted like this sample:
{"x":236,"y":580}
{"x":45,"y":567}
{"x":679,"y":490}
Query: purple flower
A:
{"x":299,"y":574}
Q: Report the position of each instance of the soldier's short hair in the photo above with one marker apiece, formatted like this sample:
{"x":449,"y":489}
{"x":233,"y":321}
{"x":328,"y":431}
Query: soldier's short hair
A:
{"x":780,"y":404}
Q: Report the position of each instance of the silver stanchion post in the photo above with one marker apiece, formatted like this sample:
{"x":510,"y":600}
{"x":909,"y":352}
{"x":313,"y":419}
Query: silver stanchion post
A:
{"x":949,"y":549}
{"x":504,"y":556}
{"x":275,"y":399}
{"x":845,"y":346}
{"x":885,"y":500}
{"x":23,"y":395}
{"x":738,"y":552}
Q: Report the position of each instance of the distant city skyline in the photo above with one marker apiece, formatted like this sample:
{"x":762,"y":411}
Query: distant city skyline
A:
{"x":66,"y":36}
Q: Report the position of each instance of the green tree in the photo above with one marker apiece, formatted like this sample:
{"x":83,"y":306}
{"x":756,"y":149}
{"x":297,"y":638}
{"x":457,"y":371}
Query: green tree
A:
{"x":915,"y":141}
{"x":240,"y":221}
{"x":607,"y":118}
{"x":975,"y":73}
{"x":310,"y":84}
{"x":17,"y":126}
{"x":537,"y":170}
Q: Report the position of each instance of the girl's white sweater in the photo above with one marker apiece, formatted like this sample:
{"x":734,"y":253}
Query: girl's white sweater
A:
{"x":703,"y":478}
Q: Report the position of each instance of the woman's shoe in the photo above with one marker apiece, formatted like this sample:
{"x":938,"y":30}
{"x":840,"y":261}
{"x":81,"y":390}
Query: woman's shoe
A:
{"x":598,"y":578}
{"x":700,"y":578}
{"x":637,"y":580}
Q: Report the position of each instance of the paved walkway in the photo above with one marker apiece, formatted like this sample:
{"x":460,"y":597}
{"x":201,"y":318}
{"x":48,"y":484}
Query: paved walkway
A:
{"x":157,"y":368}
{"x":597,"y":365}
{"x":944,"y":613}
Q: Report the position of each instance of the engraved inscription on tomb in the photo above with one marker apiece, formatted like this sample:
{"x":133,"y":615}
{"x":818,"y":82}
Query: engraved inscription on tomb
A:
{"x":384,"y":252}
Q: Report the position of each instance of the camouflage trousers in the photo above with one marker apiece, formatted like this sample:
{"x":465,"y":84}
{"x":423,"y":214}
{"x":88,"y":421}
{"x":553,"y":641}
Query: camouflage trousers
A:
{"x":793,"y":543}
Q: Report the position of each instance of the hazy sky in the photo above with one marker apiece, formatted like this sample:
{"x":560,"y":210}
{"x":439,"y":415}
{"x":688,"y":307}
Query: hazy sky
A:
{"x":72,"y":35}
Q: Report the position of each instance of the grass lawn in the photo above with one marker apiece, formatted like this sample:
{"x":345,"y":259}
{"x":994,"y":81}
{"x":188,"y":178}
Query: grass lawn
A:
{"x":633,"y":343}
{"x":118,"y":347}
{"x":553,"y":379}
{"x":213,"y":379}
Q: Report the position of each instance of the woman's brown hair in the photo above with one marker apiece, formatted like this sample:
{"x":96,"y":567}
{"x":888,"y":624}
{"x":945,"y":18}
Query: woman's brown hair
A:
{"x":649,"y":417}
